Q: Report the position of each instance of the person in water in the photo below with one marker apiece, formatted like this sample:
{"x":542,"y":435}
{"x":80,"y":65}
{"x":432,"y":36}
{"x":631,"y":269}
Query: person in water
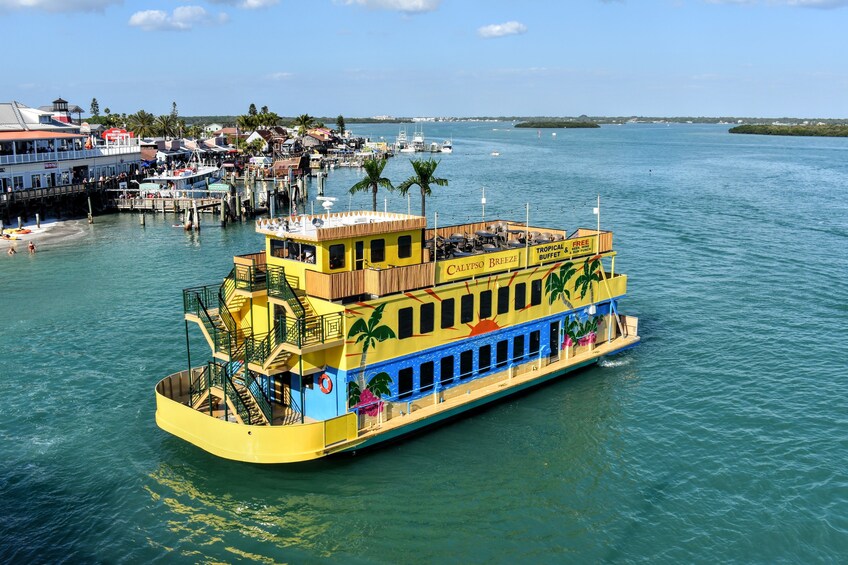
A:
{"x":11,"y":251}
{"x":31,"y":248}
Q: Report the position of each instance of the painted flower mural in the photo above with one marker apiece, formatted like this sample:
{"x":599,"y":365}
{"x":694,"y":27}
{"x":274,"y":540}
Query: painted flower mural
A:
{"x":367,"y":400}
{"x":369,"y":333}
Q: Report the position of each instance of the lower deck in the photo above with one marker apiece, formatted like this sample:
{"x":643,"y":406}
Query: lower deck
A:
{"x":365,"y":426}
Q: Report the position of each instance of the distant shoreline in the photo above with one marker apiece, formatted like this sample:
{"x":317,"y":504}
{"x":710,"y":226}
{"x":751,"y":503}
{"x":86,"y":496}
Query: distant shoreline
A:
{"x":556,"y":124}
{"x":823,"y":130}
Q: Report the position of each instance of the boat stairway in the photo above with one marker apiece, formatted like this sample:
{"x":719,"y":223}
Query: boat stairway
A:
{"x":256,"y":416}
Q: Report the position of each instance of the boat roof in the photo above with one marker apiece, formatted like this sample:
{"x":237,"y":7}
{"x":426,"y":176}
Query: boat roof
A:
{"x":339,"y":225}
{"x":183,"y":176}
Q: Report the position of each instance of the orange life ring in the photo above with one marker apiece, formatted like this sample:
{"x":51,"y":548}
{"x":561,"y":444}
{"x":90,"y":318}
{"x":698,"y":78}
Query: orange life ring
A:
{"x":325,"y":383}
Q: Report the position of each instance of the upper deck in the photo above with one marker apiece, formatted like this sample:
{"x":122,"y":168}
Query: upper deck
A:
{"x":338,"y":226}
{"x":343,"y":255}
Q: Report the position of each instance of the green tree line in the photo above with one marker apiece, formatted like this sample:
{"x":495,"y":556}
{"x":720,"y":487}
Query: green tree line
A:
{"x":826,"y":130}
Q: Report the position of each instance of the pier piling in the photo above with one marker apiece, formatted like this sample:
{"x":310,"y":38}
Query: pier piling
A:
{"x":90,"y":212}
{"x":20,"y":222}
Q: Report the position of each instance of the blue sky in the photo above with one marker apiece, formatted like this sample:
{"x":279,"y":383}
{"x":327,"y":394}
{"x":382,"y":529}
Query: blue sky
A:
{"x":767,"y":58}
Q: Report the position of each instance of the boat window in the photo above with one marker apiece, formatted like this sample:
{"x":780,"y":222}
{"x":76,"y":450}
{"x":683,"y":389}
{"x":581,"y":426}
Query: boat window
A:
{"x":503,"y":353}
{"x":518,"y":348}
{"x":404,"y":246}
{"x":405,"y":382}
{"x":447,"y":313}
{"x":466,"y":364}
{"x":535,"y":342}
{"x":536,"y":292}
{"x":446,"y":374}
{"x":307,"y":254}
{"x":485,"y":304}
{"x":278,"y":248}
{"x":466,"y":309}
{"x":520,"y":296}
{"x":405,"y":323}
{"x":484,"y":362}
{"x":427,"y":317}
{"x":337,"y":256}
{"x":297,"y":251}
{"x":425,"y":378}
{"x":378,"y":250}
{"x":503,"y":300}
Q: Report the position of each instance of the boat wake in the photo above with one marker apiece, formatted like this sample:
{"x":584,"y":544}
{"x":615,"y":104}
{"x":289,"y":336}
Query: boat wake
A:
{"x":610,"y":363}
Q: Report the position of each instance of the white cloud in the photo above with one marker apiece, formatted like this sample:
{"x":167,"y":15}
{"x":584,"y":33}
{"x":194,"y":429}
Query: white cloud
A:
{"x":247,"y":4}
{"x":500,"y":30}
{"x":59,"y":5}
{"x":183,"y":18}
{"x":278,"y":76}
{"x":406,"y":6}
{"x":793,"y":3}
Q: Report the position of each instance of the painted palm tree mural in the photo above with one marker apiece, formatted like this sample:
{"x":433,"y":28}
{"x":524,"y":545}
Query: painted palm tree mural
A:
{"x":369,"y":333}
{"x":591,"y":273}
{"x":556,"y":285}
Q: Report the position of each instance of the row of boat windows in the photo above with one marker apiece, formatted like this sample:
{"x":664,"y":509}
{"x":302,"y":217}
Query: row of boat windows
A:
{"x":485,"y":363}
{"x":297,"y":251}
{"x":338,"y":252}
{"x":427,"y":311}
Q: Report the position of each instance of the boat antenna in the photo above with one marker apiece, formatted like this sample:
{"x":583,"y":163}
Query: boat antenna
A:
{"x":597,"y":212}
{"x":435,"y":245}
{"x":483,"y":201}
{"x":527,"y":236}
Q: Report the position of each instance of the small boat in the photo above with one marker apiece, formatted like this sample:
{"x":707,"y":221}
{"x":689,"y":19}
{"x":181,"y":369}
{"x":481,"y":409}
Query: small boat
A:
{"x":447,"y":146}
{"x":182,"y":180}
{"x":496,"y":154}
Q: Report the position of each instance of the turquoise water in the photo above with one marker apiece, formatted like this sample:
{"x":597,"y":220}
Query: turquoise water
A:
{"x":722,"y":438}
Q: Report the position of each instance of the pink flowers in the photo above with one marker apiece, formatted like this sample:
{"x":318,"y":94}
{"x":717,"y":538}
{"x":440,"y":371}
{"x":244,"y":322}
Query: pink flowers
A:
{"x":587,"y":339}
{"x":369,"y":404}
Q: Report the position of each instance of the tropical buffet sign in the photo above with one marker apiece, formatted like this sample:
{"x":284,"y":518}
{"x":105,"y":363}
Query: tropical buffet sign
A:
{"x":566,"y":249}
{"x":487,"y":263}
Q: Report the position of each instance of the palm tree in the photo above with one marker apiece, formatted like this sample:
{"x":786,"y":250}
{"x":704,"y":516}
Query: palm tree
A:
{"x":373,"y":179}
{"x":556,"y":285}
{"x":142,"y":123}
{"x":304,"y":122}
{"x":166,"y":125}
{"x":247,"y":122}
{"x":590,"y":275}
{"x":423,"y":177}
{"x":369,"y":334}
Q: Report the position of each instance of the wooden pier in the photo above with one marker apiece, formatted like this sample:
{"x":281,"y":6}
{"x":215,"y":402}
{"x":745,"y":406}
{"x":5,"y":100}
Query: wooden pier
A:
{"x":172,"y":205}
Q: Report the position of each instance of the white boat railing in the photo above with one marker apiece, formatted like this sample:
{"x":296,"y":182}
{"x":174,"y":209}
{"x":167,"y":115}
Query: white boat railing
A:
{"x":69,"y":155}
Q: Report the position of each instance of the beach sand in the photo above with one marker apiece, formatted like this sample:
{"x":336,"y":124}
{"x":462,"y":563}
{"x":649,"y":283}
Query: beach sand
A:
{"x":50,"y":231}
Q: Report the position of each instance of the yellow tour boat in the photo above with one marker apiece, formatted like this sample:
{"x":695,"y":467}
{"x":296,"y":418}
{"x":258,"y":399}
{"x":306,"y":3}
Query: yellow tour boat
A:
{"x":351,"y":329}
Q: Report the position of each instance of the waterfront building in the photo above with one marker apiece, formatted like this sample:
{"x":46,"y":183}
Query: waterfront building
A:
{"x":38,"y":151}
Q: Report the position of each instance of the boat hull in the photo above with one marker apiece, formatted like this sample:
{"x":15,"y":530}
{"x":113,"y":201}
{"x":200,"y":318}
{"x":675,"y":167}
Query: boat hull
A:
{"x":315,"y":440}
